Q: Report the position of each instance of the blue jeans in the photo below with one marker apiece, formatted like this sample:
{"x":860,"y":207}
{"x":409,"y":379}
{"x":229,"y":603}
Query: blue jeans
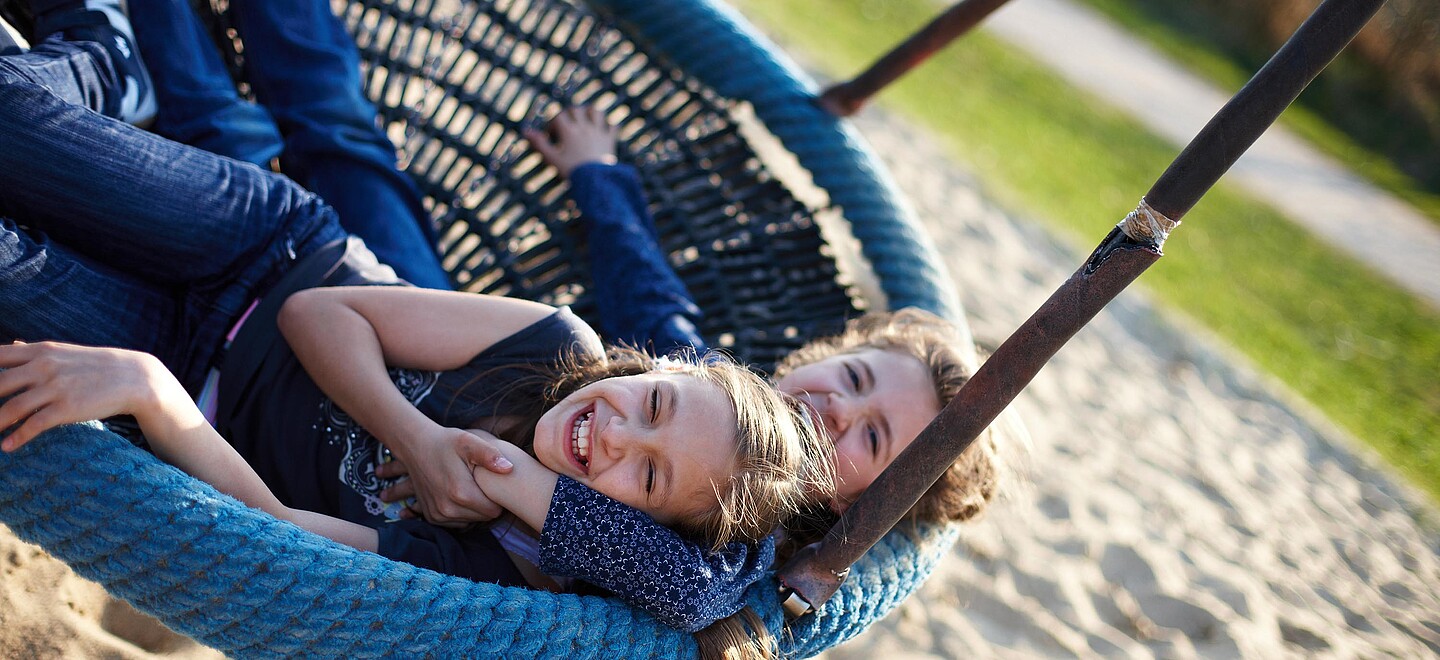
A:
{"x":312,"y":114}
{"x":113,"y":236}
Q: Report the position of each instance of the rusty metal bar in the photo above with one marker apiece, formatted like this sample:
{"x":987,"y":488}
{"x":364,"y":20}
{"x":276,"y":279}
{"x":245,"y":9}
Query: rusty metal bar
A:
{"x":813,"y":576}
{"x":847,"y":98}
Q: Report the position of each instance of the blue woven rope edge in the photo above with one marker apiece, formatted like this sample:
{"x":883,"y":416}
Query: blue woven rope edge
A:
{"x":242,"y":582}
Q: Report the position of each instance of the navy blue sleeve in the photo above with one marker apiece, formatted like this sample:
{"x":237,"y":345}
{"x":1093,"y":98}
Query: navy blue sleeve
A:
{"x":472,"y":553}
{"x":594,"y":538}
{"x":640,"y":298}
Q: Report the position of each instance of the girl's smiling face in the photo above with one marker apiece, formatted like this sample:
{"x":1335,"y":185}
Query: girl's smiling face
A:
{"x":660,"y":442}
{"x":873,"y":403}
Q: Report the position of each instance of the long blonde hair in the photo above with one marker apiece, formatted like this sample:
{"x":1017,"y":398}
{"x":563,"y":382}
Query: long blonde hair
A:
{"x":782,"y":462}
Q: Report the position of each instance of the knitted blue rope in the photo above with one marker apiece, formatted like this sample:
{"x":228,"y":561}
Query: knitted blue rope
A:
{"x":715,"y":45}
{"x":249,"y":585}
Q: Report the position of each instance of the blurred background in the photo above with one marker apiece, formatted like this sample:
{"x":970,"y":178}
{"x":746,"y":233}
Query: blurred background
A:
{"x":1363,"y":350}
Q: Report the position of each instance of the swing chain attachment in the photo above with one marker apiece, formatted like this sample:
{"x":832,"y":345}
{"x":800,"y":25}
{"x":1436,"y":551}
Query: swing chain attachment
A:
{"x":797,"y":605}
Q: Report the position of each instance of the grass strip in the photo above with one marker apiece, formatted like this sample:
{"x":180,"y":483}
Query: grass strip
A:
{"x":1163,"y":30}
{"x":1360,"y":349}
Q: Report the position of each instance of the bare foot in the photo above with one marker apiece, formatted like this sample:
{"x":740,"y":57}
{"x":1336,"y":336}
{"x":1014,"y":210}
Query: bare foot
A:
{"x":575,"y":137}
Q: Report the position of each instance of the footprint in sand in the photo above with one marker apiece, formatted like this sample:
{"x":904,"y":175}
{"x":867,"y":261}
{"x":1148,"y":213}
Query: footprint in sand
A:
{"x":1123,"y":565}
{"x":121,"y":620}
{"x":1205,"y":631}
{"x":1302,"y":637}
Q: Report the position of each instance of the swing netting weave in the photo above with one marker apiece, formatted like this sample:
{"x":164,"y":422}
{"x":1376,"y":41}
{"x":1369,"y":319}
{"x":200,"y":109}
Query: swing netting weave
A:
{"x":457,"y":82}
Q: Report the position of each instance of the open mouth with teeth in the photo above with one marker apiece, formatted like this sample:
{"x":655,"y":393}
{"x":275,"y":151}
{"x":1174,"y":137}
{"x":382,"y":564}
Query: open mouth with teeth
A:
{"x":580,"y":438}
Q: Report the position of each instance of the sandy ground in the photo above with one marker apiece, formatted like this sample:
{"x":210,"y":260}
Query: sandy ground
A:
{"x":1177,"y":506}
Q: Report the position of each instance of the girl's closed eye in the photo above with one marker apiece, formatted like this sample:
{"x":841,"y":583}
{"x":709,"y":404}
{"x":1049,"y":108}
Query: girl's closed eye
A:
{"x":854,"y":376}
{"x":874,"y":437}
{"x":654,"y":404}
{"x":649,"y":477}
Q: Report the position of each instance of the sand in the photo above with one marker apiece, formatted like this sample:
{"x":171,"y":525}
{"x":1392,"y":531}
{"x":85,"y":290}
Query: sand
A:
{"x":1178,"y":504}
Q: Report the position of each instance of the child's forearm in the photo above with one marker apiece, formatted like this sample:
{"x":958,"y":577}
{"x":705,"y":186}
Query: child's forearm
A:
{"x":525,"y":492}
{"x":57,"y":383}
{"x":346,"y":338}
{"x":179,"y":435}
{"x":341,"y":351}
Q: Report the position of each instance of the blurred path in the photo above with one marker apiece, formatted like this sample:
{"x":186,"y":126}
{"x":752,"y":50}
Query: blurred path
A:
{"x":1281,"y":169}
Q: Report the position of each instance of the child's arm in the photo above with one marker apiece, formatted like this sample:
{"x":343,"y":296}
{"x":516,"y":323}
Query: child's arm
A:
{"x":638,"y":295}
{"x":346,"y":337}
{"x":54,"y":384}
{"x":684,"y":584}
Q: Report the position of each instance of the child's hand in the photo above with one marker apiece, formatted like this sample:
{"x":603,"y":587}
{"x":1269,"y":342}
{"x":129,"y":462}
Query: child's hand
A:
{"x":526,"y":491}
{"x":575,"y":137}
{"x":439,"y":478}
{"x":526,"y":467}
{"x":55,"y":384}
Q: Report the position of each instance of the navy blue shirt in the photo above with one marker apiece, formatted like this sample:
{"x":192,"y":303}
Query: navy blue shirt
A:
{"x":315,"y":457}
{"x":640,"y":299}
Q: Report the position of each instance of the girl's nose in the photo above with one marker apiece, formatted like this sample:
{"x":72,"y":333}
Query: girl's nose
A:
{"x":837,"y":413}
{"x":615,"y":438}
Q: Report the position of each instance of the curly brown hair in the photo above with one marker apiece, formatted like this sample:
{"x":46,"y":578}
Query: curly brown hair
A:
{"x":962,"y":493}
{"x":965,"y":490}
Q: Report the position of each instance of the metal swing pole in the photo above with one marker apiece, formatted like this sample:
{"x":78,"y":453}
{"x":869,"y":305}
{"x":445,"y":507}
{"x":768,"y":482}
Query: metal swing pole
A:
{"x":847,"y":98}
{"x":814,"y":575}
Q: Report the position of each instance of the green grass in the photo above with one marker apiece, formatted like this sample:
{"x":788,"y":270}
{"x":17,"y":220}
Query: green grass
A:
{"x":1357,"y":347}
{"x":1165,"y":30}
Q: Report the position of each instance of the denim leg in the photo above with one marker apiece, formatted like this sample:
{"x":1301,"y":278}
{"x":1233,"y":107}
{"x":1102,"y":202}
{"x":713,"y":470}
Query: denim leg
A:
{"x":134,"y":200}
{"x":76,"y":72}
{"x":305,"y":69}
{"x":217,"y":230}
{"x":197,"y":99}
{"x":48,"y":292}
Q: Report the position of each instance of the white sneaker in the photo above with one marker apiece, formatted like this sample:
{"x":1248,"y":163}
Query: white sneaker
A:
{"x":11,"y":41}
